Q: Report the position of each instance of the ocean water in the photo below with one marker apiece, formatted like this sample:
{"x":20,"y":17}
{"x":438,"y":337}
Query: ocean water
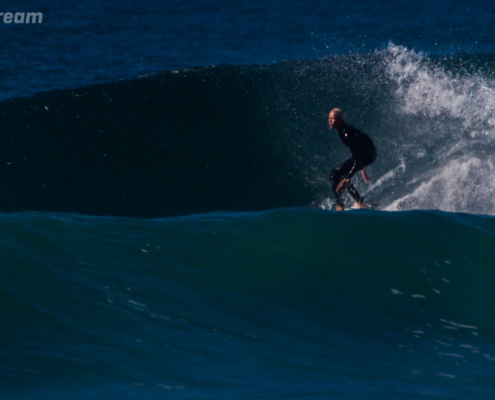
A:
{"x":167,"y":224}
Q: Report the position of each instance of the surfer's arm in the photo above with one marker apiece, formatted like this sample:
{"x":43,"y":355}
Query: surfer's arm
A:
{"x":342,"y":186}
{"x":365,"y":176}
{"x":344,"y":182}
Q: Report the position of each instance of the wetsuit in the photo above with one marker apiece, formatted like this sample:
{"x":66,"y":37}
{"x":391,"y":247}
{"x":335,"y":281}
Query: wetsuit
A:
{"x":363,"y":154}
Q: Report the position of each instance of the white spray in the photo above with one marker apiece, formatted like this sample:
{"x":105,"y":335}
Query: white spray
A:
{"x":458,"y":114}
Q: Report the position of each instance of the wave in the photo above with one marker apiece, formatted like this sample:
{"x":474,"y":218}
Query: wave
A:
{"x":222,"y":300}
{"x":254,"y":137}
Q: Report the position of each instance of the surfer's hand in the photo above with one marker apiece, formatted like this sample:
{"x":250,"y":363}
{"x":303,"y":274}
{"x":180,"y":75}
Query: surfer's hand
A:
{"x":342,"y":186}
{"x":365,"y":176}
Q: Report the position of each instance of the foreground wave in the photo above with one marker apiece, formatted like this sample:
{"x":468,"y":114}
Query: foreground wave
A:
{"x":266,"y":305}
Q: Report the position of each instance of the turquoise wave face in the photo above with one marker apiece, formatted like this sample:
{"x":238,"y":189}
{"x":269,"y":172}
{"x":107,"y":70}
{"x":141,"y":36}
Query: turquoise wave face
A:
{"x":292,"y":301}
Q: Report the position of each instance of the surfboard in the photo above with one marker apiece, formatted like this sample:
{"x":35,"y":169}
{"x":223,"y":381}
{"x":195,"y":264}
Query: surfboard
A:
{"x":355,"y":207}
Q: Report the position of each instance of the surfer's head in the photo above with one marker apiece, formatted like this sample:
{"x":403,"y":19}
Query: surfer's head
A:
{"x":336,"y":118}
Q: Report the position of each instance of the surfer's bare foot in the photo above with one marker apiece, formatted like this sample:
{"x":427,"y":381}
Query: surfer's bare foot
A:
{"x":340,"y":208}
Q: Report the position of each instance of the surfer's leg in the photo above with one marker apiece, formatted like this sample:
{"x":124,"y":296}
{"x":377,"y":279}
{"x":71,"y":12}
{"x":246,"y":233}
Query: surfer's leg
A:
{"x":356,"y":196}
{"x":335,"y":179}
{"x":354,"y":193}
{"x":352,"y":189}
{"x":336,"y":176}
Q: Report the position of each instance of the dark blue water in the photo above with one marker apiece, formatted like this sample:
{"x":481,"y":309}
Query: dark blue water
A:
{"x":166,"y":216}
{"x":95,"y":41}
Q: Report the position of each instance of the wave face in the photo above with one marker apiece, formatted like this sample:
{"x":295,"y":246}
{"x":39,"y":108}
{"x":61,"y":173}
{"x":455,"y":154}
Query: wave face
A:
{"x":264,"y":305}
{"x":246,"y":138}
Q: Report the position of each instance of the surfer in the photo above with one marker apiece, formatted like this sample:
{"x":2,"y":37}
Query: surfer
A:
{"x":363,"y":154}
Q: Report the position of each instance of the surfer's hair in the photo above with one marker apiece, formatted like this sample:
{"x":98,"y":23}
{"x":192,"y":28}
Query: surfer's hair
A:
{"x":338,"y":113}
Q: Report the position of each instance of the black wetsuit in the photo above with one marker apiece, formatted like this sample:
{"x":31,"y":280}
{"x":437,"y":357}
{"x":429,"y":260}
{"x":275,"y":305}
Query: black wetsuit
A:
{"x":363,"y":154}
